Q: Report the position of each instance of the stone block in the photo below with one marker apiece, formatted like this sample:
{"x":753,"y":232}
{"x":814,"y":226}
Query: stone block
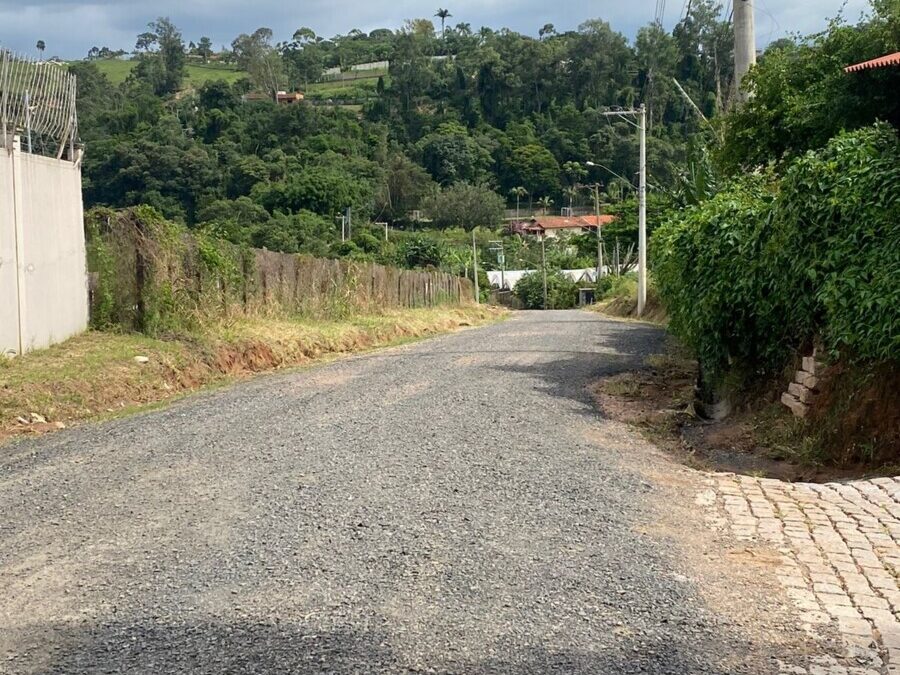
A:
{"x":802,"y":393}
{"x":798,"y":408}
{"x":808,"y":380}
{"x":809,"y":364}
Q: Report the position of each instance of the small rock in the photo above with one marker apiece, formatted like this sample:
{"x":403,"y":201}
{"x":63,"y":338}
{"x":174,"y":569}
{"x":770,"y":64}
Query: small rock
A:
{"x":59,"y":425}
{"x":22,"y":420}
{"x":141,"y":359}
{"x":38,"y":419}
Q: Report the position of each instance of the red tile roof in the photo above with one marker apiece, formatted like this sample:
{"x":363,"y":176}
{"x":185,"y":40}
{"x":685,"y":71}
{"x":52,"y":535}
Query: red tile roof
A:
{"x":568,"y":222}
{"x":880,"y":62}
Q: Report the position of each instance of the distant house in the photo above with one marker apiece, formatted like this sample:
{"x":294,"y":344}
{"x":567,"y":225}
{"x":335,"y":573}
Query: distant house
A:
{"x":283,"y":97}
{"x":289,"y":97}
{"x":553,"y":226}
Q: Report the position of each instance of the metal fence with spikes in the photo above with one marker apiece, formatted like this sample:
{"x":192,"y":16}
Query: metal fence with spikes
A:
{"x":37,"y":103}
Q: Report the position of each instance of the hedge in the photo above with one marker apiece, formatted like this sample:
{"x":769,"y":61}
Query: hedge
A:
{"x":769,"y":265}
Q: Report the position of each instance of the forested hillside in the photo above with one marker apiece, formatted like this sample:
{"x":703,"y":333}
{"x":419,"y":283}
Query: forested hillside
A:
{"x":463,"y":121}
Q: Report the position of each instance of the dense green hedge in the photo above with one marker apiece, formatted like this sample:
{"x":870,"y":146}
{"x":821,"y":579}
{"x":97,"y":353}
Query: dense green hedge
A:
{"x":765,"y":267}
{"x":562,"y":292}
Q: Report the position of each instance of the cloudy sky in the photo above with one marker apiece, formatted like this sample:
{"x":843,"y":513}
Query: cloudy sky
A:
{"x":71,"y":27}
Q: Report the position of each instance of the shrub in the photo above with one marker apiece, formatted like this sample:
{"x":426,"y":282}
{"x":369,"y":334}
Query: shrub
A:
{"x":561,"y":291}
{"x":763,"y":268}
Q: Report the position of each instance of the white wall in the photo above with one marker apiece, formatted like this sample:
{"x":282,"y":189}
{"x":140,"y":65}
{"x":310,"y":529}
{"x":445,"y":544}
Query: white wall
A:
{"x":48,"y":221}
{"x":9,"y":285}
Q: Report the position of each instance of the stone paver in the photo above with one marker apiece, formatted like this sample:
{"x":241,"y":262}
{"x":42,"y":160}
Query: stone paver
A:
{"x":839,"y":555}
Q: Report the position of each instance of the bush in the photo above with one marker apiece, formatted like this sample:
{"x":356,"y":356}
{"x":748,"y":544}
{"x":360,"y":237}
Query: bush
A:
{"x":561,"y":291}
{"x":762,"y":269}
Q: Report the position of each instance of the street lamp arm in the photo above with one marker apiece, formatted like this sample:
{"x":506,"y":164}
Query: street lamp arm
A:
{"x":601,"y":166}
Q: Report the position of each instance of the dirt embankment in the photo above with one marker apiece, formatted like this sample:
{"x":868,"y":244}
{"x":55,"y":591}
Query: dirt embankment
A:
{"x":99,"y":374}
{"x":761,"y":438}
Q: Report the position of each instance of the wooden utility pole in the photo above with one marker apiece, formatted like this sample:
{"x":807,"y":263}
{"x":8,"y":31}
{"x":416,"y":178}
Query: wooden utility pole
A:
{"x":544,"y":267}
{"x":599,"y":233}
{"x":475,"y":268}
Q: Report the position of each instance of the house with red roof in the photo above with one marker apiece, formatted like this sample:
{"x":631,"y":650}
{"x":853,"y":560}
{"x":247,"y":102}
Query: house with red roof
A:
{"x":553,"y":226}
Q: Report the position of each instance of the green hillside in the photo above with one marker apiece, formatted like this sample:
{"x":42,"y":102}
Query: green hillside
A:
{"x":117,"y":70}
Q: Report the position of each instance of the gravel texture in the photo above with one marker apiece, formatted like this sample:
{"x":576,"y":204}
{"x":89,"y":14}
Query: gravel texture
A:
{"x":447,"y":506}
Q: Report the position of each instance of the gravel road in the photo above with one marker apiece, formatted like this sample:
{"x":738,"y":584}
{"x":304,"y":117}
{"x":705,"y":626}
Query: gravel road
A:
{"x":455,"y":505}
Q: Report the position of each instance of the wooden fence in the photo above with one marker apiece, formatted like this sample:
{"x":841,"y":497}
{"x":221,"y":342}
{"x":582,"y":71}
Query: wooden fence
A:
{"x":150,"y":275}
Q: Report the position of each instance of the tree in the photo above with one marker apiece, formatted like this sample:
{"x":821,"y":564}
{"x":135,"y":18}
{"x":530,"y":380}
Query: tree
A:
{"x":465,"y":205}
{"x":163,"y":70}
{"x":534,"y":167}
{"x":802,"y":97}
{"x":405,"y":185}
{"x":450,"y":154}
{"x":255,"y":54}
{"x":421,"y":251}
{"x":304,"y":57}
{"x":545,"y":203}
{"x":205,"y":49}
{"x":545,"y":30}
{"x":41,"y":46}
{"x":421,"y":28}
{"x":145,"y":42}
{"x":443,"y":15}
{"x":518,"y":192}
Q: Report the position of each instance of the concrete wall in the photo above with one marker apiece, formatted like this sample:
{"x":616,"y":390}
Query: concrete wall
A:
{"x":9,"y":283}
{"x":41,"y":214}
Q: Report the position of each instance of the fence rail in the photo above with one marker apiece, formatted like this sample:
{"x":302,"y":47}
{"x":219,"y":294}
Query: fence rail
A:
{"x":37,"y":102}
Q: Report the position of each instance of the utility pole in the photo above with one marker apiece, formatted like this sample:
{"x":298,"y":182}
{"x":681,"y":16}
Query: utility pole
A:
{"x":641,"y":114}
{"x":544,"y":267}
{"x":744,"y":45}
{"x":642,"y":216}
{"x":475,"y":268}
{"x":599,"y":234}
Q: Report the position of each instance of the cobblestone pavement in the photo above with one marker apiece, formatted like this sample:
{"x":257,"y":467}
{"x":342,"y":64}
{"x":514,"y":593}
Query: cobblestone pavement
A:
{"x":838,"y":544}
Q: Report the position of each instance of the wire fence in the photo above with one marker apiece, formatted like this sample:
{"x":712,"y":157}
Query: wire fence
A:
{"x":37,"y":103}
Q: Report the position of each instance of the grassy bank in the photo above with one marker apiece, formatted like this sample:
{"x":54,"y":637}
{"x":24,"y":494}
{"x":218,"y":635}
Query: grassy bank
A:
{"x":619,"y":298}
{"x":102,"y":373}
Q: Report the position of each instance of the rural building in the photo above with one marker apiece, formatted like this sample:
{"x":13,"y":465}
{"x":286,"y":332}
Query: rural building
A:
{"x":553,"y":226}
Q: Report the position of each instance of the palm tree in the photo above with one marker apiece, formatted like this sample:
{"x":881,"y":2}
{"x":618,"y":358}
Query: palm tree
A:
{"x":41,"y":46}
{"x":571,"y":192}
{"x":443,"y":15}
{"x":545,"y":203}
{"x":518,"y":192}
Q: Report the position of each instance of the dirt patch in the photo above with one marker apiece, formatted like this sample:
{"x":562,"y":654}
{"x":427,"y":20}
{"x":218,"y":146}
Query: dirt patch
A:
{"x":659,"y":399}
{"x":857,"y":413}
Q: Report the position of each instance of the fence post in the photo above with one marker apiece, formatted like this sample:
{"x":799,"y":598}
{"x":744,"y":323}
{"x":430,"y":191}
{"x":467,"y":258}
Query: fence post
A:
{"x":4,"y":103}
{"x":140,"y":279}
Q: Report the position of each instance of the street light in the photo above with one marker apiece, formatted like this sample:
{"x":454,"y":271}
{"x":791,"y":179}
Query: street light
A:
{"x":596,"y":187}
{"x":641,"y":114}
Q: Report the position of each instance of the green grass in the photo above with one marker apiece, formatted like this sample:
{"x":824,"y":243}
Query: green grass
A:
{"x":355,"y":89}
{"x":196,"y":74}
